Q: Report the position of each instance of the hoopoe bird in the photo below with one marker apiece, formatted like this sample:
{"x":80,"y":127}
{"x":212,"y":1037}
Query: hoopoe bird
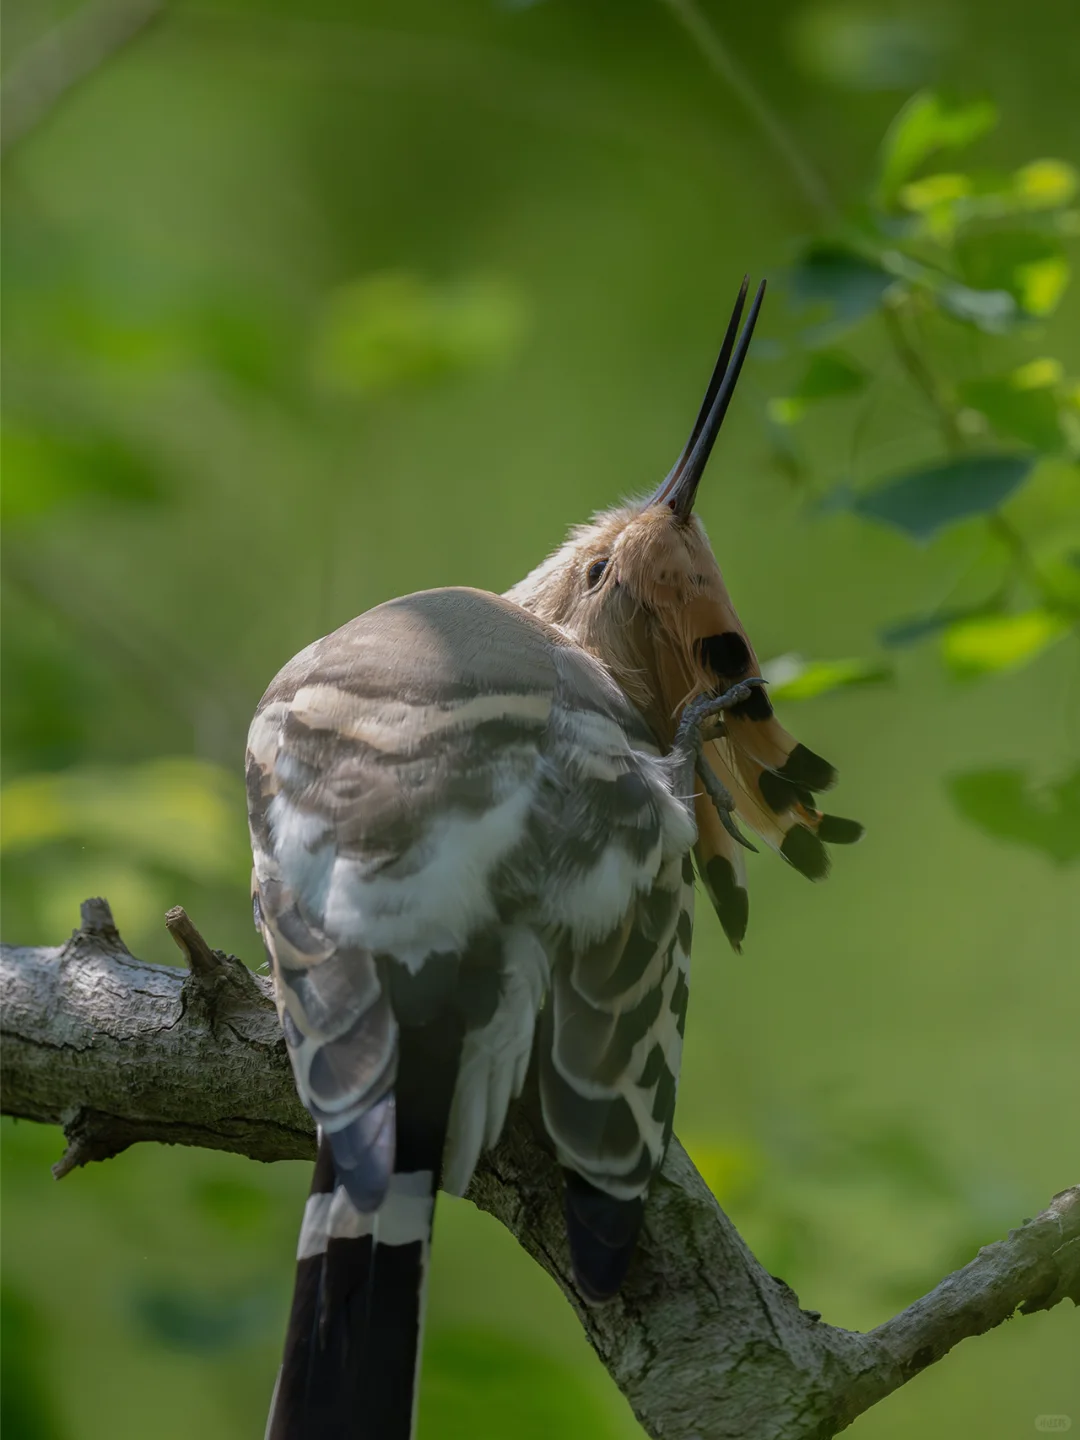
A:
{"x":472,"y":819}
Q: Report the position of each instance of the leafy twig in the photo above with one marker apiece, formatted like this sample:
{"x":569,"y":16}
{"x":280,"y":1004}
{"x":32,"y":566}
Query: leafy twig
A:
{"x":910,"y":356}
{"x":918,"y":370}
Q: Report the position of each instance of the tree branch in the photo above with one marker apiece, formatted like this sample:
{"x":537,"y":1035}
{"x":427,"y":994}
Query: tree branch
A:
{"x":702,"y":1341}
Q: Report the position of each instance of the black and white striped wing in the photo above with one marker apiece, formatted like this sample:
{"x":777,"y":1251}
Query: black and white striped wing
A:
{"x":612,"y":1043}
{"x":618,"y":899}
{"x":453,"y":812}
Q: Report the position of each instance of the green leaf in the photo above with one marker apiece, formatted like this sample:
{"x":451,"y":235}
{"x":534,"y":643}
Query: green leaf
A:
{"x":922,"y":502}
{"x":1003,"y":803}
{"x":398,"y":329}
{"x":926,"y":125}
{"x":831,"y":274}
{"x":183,"y":814}
{"x":1032,"y":267}
{"x":947,"y":202}
{"x":1022,"y":405}
{"x":828,"y":375}
{"x":993,"y":311}
{"x":1045,"y":184}
{"x":914,"y":628}
{"x":791,"y":677}
{"x":1042,"y":283}
{"x":478,"y":1383}
{"x":45,"y":470}
{"x":999,"y":642}
{"x":935,"y":190}
{"x":936,"y":202}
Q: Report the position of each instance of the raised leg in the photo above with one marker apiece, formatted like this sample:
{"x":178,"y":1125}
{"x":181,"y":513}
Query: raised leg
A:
{"x":689,"y":740}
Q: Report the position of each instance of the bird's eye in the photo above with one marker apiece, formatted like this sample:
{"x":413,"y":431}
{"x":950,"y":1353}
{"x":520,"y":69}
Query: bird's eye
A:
{"x":595,"y":572}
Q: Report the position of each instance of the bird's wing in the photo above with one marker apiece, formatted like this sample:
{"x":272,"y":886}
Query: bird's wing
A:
{"x":443,"y":795}
{"x":610,"y":1051}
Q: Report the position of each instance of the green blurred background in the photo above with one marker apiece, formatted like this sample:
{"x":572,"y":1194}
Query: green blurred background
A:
{"x":311,"y":306}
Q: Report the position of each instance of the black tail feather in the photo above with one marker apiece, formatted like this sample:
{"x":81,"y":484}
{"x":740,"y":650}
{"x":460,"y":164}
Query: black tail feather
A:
{"x":326,"y":1324}
{"x":603,"y":1235}
{"x":352,"y":1350}
{"x":390,"y":1373}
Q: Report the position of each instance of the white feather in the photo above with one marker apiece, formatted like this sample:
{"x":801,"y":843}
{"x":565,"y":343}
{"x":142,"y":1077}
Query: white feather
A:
{"x":495,"y":1059}
{"x":444,"y":901}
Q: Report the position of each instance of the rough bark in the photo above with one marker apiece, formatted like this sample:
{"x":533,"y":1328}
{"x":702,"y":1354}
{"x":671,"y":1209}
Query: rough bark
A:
{"x":702,"y":1341}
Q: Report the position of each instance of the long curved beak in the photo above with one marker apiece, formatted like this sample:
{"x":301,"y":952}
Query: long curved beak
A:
{"x":680,"y":487}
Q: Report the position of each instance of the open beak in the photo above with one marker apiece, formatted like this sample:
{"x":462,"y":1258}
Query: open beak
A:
{"x":680,"y":487}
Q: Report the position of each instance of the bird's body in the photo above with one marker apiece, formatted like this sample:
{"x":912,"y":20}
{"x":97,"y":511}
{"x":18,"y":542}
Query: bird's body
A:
{"x":472,"y":818}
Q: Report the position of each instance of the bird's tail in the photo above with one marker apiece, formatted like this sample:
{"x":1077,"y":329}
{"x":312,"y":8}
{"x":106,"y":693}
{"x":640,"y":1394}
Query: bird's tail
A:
{"x":352,"y":1350}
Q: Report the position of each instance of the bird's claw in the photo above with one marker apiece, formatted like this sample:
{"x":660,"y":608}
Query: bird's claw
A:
{"x":723,"y":803}
{"x":689,"y":743}
{"x":733,"y":830}
{"x":706,"y":706}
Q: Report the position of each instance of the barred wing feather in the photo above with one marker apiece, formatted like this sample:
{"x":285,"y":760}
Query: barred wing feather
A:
{"x":439,"y":822}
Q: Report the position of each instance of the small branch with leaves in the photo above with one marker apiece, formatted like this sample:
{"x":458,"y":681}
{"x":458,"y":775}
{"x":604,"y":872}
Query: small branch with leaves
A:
{"x":702,"y":1341}
{"x":932,"y":256}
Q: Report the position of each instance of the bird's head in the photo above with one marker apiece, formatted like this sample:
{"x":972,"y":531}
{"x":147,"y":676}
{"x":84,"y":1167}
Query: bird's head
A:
{"x":639,"y":585}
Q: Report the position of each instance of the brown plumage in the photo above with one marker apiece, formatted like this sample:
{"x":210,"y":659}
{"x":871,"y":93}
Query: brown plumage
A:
{"x":640,"y":588}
